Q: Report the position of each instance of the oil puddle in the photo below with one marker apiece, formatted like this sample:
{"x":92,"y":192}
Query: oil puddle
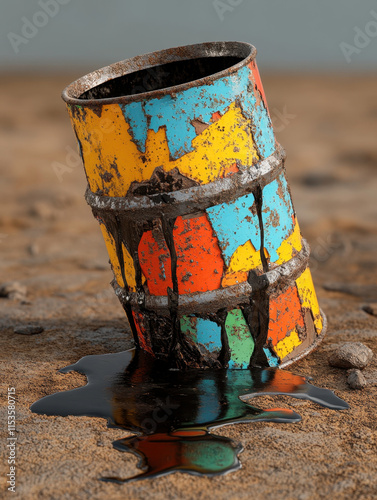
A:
{"x":172,"y":412}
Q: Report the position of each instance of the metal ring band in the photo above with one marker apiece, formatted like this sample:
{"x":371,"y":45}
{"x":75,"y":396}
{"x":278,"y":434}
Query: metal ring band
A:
{"x":204,"y":302}
{"x":194,"y":199}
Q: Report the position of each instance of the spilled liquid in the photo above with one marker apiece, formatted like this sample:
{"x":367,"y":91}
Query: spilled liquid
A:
{"x":172,"y":411}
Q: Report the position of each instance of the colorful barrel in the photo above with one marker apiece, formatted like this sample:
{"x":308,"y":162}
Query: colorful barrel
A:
{"x":188,"y":184}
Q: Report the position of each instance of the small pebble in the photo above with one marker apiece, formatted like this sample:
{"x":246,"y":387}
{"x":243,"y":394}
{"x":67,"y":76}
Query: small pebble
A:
{"x":370,"y":309}
{"x":351,"y":355}
{"x":33,"y":249}
{"x":29,"y":329}
{"x":95,"y":266}
{"x":13,"y":290}
{"x":356,"y":379}
{"x":43,"y":210}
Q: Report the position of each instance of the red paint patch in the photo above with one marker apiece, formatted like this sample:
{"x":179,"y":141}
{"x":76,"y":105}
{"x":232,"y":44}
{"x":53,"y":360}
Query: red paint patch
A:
{"x":141,"y":332}
{"x":155,"y":262}
{"x":199,"y":261}
{"x":258,"y":82}
{"x":285,"y":314}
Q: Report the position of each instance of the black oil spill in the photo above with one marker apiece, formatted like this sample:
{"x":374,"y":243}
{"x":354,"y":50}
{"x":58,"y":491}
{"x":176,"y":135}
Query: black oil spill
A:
{"x":172,"y":411}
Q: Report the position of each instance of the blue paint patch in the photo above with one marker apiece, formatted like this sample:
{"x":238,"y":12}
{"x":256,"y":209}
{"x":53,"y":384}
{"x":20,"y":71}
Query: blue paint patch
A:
{"x":235,"y":224}
{"x":277,"y":212}
{"x":264,"y":138}
{"x":177,"y":112}
{"x":208,"y":333}
{"x":202,"y":331}
{"x":137,"y":120}
{"x":263,"y":133}
{"x":272,"y":360}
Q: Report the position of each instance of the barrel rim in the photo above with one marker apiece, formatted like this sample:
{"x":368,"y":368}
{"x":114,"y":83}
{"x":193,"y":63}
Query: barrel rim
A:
{"x":152,"y":59}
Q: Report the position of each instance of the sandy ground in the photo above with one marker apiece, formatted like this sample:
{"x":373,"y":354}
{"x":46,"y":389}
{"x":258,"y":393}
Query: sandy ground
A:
{"x":50,"y":243}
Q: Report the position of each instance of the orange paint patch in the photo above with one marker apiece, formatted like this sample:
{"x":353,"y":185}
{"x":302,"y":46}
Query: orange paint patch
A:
{"x":155,"y":262}
{"x":234,"y":278}
{"x":141,"y":332}
{"x":285,"y":314}
{"x":199,"y":261}
{"x":216,"y":116}
{"x":231,"y":169}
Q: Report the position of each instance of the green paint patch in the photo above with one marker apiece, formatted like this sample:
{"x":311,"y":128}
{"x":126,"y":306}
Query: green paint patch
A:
{"x":241,"y":342}
{"x":188,"y":327}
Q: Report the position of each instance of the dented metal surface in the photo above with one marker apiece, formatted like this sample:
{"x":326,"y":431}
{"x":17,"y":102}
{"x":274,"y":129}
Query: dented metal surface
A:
{"x":189,"y":187}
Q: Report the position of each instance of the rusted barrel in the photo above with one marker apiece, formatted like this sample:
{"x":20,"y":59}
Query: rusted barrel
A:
{"x":188,"y":184}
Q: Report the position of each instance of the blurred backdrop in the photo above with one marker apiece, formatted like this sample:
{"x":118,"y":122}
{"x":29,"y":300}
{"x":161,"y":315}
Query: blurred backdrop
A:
{"x":294,"y":34}
{"x":318,"y":62}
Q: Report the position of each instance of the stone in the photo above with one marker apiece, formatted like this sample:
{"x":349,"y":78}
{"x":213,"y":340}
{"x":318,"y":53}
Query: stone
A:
{"x":371,"y":309}
{"x":366,"y":292}
{"x":33,"y":249}
{"x":28,"y":329}
{"x":43,"y":210}
{"x":13,"y":291}
{"x":351,"y":355}
{"x":356,"y":379}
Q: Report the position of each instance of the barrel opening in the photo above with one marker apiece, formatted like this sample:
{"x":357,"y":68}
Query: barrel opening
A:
{"x":160,"y":77}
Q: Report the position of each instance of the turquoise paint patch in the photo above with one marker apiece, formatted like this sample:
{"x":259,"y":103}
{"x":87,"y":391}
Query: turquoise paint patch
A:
{"x":177,"y":112}
{"x":277,"y":212}
{"x":272,"y":360}
{"x":263,"y":132}
{"x":264,"y":138}
{"x":235,"y":224}
{"x":241,"y":342}
{"x":208,"y":333}
{"x":202,"y":331}
{"x":137,"y":120}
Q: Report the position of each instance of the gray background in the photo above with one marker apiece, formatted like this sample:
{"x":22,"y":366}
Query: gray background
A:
{"x":289,"y":34}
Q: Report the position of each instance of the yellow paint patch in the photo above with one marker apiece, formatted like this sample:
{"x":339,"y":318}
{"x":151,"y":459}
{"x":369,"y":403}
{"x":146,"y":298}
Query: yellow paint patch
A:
{"x":308,"y":297}
{"x":290,"y":246}
{"x":108,"y":149}
{"x":214,"y":149}
{"x":243,"y":260}
{"x":129,"y":268}
{"x":286,"y":346}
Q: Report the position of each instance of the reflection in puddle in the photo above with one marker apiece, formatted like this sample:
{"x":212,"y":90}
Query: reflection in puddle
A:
{"x":172,"y":411}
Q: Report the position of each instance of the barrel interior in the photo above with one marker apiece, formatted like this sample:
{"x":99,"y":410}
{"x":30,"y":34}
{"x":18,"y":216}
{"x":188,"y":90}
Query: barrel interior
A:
{"x":160,"y":77}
